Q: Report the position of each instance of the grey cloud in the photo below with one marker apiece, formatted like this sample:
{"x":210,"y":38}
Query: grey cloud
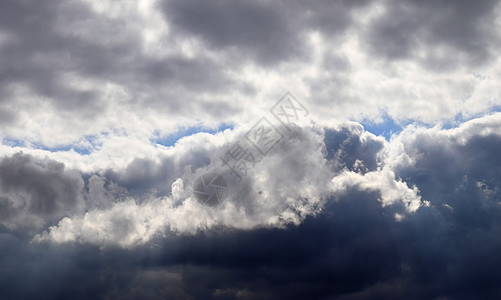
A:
{"x":348,"y":149}
{"x":147,"y":175}
{"x":262,"y":31}
{"x":288,"y":164}
{"x":101,"y":192}
{"x":33,"y":192}
{"x":330,"y":17}
{"x":143,"y":175}
{"x":456,"y":177}
{"x":464,"y":28}
{"x":49,"y":41}
{"x":36,"y":55}
{"x":44,"y":43}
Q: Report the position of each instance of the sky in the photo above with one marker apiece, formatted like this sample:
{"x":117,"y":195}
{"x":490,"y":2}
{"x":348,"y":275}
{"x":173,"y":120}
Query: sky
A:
{"x":353,"y":148}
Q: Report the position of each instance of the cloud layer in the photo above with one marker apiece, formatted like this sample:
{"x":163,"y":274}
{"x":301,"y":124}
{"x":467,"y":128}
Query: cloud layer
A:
{"x":110,"y":111}
{"x":73,"y":71}
{"x":375,"y":219}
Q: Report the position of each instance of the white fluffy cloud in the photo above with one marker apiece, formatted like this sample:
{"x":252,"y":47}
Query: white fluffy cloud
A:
{"x":293,"y":182}
{"x":284,"y":187}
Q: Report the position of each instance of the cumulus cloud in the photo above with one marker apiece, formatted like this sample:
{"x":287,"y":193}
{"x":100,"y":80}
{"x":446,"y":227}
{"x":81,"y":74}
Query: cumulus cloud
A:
{"x":284,"y":187}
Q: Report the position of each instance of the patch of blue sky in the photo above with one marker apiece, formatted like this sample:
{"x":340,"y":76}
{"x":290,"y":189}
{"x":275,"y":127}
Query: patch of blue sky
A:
{"x":11,"y":142}
{"x":386,"y":128}
{"x":84,"y":147}
{"x":171,"y":139}
{"x":460,"y":118}
{"x":64,"y":148}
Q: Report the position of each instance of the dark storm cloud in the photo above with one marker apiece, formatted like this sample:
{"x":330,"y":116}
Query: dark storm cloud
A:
{"x":33,"y":192}
{"x":465,"y":30}
{"x":316,"y":259}
{"x":462,"y":179}
{"x":53,"y":272}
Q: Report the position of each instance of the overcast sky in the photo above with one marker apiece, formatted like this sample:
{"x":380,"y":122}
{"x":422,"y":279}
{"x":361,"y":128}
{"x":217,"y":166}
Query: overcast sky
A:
{"x":382,"y":181}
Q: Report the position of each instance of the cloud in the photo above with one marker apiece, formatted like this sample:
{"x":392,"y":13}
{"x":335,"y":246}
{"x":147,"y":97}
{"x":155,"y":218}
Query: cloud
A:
{"x":68,"y":58}
{"x":409,"y":226}
{"x":439,"y":34}
{"x":164,"y":204}
{"x":258,"y":31}
{"x":284,"y":187}
{"x":95,"y":67}
{"x":92,"y":206}
{"x":34,"y":192}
